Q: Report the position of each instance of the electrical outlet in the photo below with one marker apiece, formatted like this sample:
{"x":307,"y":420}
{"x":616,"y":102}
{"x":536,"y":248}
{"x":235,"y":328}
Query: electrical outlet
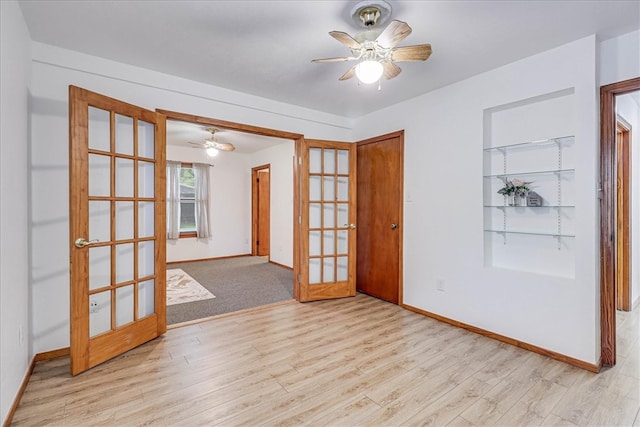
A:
{"x":93,"y":306}
{"x":440,"y":285}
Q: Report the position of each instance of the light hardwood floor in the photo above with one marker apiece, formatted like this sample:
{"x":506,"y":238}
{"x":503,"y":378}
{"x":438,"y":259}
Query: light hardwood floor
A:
{"x":356,"y":361}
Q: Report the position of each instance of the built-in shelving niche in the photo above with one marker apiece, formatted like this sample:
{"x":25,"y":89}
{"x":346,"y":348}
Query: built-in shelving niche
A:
{"x":531,"y":140}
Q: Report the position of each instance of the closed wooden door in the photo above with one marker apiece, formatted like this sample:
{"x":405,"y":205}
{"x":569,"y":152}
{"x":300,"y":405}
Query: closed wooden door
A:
{"x":264,"y":210}
{"x":328,"y":220}
{"x":117,"y":227}
{"x":380,"y":194}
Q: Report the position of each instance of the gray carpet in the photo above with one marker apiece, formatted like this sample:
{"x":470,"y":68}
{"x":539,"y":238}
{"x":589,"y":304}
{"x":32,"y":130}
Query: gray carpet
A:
{"x":237,"y":283}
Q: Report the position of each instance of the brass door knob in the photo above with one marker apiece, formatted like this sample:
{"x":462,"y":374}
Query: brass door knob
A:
{"x":81,"y":242}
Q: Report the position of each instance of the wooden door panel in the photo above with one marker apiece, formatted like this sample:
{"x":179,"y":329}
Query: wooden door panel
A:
{"x":264,"y":211}
{"x":117,"y":289}
{"x":328,"y":220}
{"x":380,"y":174}
{"x":623,"y":217}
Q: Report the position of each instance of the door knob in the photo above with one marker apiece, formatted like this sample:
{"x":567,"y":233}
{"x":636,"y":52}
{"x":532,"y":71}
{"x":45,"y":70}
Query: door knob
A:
{"x":351,"y":226}
{"x":394,"y":226}
{"x":81,"y":242}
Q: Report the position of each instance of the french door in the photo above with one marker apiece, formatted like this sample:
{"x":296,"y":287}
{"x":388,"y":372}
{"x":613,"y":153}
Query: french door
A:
{"x":117,"y":230}
{"x":328,"y":215}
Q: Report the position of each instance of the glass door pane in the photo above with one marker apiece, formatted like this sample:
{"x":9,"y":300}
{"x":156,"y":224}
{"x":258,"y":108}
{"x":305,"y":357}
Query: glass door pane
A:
{"x":328,"y":220}
{"x":122,"y":218}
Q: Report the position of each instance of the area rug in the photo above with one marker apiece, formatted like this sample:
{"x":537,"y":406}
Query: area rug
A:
{"x":183,"y":288}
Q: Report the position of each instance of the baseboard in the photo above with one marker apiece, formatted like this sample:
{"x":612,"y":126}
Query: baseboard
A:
{"x":281,"y":265}
{"x":534,"y":348}
{"x":18,"y":398}
{"x":208,"y":259}
{"x":52,"y":354}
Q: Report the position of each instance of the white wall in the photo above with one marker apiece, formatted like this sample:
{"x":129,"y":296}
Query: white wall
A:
{"x":280,"y":157}
{"x":627,"y":107}
{"x":443,"y":214}
{"x":619,"y":58}
{"x":15,"y":75}
{"x":53,"y":70}
{"x":229,"y":203}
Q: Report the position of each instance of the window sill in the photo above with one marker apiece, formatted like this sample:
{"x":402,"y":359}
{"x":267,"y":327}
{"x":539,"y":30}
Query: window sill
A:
{"x":188,"y":234}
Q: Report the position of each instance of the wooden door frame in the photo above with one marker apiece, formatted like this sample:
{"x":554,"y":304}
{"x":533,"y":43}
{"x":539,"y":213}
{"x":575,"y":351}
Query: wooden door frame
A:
{"x":379,"y":138}
{"x":296,"y":138}
{"x":254,"y":207}
{"x":607,"y":216}
{"x":623,"y":219}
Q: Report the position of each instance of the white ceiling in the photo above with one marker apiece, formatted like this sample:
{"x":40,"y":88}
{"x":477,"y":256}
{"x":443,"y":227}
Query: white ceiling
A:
{"x":265,"y":48}
{"x":181,"y":133}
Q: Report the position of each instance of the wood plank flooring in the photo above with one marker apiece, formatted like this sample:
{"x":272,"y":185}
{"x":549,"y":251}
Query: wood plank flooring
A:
{"x":355,"y":361}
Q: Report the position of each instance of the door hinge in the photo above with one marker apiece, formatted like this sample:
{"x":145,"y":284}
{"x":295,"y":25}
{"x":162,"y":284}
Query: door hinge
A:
{"x":299,"y":160}
{"x":299,"y":278}
{"x":299,"y":219}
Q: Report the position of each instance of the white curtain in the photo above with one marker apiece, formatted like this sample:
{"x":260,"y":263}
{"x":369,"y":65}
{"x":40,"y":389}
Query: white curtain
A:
{"x":173,"y":200}
{"x":203,"y":228}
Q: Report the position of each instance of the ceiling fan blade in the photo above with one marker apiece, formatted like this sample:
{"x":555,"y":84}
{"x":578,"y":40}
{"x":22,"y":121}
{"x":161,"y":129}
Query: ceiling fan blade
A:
{"x":224,"y":146}
{"x":199,"y":145}
{"x":390,"y":70}
{"x":348,"y":74}
{"x":395,"y":32}
{"x":345,"y":39}
{"x":341,"y":59}
{"x":419,"y":52}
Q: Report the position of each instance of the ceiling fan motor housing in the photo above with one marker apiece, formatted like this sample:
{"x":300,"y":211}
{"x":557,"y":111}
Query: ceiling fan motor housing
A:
{"x":371,"y":13}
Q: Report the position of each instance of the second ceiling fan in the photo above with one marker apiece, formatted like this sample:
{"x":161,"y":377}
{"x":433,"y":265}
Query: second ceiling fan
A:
{"x":376,"y":49}
{"x":212,"y":145}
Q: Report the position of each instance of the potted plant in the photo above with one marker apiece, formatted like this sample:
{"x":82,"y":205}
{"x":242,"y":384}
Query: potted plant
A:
{"x":514,"y":190}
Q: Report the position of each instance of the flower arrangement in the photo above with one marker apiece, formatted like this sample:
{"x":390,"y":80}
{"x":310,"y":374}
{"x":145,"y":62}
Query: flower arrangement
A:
{"x":516,"y":187}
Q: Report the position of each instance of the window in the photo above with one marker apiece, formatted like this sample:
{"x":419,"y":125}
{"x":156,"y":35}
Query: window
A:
{"x":187,"y":199}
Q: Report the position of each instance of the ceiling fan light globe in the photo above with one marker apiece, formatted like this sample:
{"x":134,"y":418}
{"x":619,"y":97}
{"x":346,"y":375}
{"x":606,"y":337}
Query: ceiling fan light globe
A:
{"x":212,"y":152}
{"x":369,"y":71}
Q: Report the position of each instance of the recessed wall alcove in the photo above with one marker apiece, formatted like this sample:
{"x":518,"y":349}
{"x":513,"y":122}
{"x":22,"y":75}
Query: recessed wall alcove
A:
{"x":532,"y":140}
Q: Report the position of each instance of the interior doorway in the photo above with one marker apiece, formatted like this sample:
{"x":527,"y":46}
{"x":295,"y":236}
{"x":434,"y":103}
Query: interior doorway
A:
{"x":260,"y":210}
{"x":609,"y":215}
{"x":232,"y":194}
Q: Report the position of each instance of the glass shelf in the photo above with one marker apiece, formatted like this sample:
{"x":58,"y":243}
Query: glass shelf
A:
{"x":530,"y":233}
{"x":563,"y":140}
{"x":533,"y":207}
{"x":547,"y":172}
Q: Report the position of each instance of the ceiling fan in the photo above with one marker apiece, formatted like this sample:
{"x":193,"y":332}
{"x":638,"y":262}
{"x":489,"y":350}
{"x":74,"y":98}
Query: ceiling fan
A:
{"x":375,"y":49}
{"x":212,"y":146}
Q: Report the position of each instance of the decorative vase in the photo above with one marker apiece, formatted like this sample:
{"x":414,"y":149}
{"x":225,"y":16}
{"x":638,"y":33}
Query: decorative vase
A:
{"x":522,"y":199}
{"x":511,"y":199}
